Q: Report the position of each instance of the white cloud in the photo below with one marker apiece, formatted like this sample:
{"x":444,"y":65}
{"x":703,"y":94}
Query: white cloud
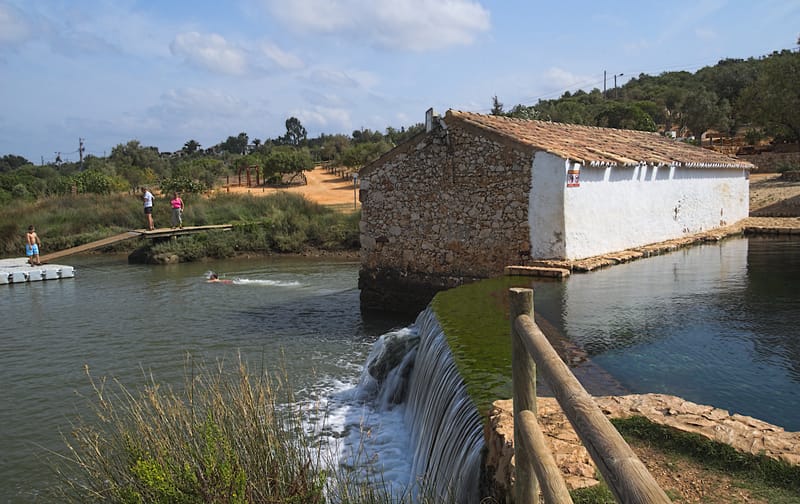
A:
{"x":352,"y":79}
{"x":325,"y":118}
{"x":412,"y":25}
{"x":280,"y":57}
{"x":201,"y":102}
{"x":319,"y":97}
{"x":561,"y":79}
{"x":210,"y":51}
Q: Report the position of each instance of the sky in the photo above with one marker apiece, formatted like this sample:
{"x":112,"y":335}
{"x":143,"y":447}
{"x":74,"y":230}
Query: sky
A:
{"x":164,"y":72}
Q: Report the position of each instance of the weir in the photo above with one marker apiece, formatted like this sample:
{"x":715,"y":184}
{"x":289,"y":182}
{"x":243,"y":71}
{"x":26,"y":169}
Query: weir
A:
{"x":445,"y":426}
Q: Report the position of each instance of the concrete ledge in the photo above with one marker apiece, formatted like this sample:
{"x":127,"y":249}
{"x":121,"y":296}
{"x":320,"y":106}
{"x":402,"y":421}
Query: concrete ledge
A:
{"x":536,"y":271}
{"x":749,"y":226}
{"x":751,"y":230}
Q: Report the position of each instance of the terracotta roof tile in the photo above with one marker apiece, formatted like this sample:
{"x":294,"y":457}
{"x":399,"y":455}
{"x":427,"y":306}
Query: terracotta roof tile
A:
{"x":599,"y":146}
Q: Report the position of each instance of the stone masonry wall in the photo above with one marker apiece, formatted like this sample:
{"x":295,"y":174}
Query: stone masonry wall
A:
{"x":768,"y":162}
{"x":448,"y":208}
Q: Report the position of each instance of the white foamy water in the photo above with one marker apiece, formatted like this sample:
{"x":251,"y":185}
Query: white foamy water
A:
{"x":262,"y":282}
{"x":367,"y":434}
{"x":266,"y":283}
{"x":409,"y":424}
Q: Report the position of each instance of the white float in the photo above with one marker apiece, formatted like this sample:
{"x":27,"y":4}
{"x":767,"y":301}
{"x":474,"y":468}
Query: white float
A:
{"x":17,"y":270}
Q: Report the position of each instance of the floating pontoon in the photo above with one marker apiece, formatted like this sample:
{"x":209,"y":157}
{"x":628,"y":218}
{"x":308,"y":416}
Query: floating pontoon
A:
{"x":17,"y":270}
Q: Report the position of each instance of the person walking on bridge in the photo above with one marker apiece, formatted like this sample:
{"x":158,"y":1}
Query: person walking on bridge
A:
{"x":147,"y":196}
{"x":177,"y":210}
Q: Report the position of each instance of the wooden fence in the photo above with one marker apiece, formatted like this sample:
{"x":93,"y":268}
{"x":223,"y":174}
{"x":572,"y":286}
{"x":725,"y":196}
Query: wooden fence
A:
{"x":626,"y":476}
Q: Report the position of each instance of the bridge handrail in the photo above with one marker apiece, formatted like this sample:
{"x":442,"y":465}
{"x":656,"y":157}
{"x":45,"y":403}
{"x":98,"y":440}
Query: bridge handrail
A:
{"x":626,"y":476}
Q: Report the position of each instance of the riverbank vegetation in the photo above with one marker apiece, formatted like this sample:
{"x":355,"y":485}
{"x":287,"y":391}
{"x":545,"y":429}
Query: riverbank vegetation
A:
{"x":229,"y":435}
{"x":682,"y":459}
{"x":278,"y":223}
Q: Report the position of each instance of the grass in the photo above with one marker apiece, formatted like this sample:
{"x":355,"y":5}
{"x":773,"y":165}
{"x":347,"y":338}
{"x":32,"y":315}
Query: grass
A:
{"x":761,"y":477}
{"x":277,"y":223}
{"x":765,"y":477}
{"x":227,"y":436}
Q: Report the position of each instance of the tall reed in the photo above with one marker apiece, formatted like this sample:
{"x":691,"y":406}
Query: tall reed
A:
{"x":228,"y":436}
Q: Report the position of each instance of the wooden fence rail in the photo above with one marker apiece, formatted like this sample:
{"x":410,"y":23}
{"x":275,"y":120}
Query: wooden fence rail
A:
{"x":626,"y":476}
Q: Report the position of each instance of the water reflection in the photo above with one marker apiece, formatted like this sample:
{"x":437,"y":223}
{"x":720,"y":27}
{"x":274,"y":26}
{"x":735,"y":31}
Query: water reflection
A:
{"x":716,"y":324}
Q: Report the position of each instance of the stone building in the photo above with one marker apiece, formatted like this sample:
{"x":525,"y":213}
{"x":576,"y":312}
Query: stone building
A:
{"x":474,"y":193}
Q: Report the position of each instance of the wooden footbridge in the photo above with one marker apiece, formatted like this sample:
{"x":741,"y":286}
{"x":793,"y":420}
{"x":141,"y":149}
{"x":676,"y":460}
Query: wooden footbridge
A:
{"x":135,"y":233}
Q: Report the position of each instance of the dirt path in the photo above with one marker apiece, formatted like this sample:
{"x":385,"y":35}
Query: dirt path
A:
{"x":322,"y":187}
{"x":772,"y":196}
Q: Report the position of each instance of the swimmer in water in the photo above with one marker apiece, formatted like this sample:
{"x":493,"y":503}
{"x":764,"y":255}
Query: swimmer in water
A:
{"x":213,"y":277}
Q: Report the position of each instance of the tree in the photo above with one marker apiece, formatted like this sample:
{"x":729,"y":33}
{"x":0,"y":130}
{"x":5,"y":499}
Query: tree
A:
{"x":333,"y":147}
{"x":702,"y":110}
{"x":523,"y":112}
{"x":11,"y":162}
{"x":625,"y":116}
{"x":497,"y":107}
{"x":366,"y":136}
{"x":134,"y":158}
{"x":203,"y":170}
{"x":395,"y":137}
{"x":190,"y":147}
{"x":97,"y":182}
{"x":564,"y":111}
{"x":235,"y":145}
{"x":295,"y":132}
{"x":360,"y":154}
{"x":286,"y":160}
{"x":773,"y":100}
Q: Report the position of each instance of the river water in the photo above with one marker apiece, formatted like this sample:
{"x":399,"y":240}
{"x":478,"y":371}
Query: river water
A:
{"x":717,"y":324}
{"x":124,"y":320}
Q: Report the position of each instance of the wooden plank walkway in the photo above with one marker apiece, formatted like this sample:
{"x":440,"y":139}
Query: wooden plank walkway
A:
{"x":135,"y":233}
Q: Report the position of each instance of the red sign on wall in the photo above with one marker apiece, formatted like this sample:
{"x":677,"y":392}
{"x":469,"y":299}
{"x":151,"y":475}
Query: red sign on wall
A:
{"x":573,"y":177}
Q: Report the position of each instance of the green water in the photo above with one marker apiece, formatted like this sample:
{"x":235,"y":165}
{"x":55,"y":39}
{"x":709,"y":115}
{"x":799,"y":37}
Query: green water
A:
{"x":715,"y":324}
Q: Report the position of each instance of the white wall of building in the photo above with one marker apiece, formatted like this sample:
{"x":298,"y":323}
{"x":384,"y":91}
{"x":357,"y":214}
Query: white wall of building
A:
{"x":616,"y":208}
{"x":546,"y":206}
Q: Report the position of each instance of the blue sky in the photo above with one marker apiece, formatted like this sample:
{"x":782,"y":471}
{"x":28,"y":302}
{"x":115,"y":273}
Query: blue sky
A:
{"x":167,"y":71}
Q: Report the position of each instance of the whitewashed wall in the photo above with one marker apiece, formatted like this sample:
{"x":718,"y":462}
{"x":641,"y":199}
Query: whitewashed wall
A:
{"x":546,"y":207}
{"x":616,"y":208}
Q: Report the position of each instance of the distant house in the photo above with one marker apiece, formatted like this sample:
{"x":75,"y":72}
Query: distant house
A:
{"x":475,"y":193}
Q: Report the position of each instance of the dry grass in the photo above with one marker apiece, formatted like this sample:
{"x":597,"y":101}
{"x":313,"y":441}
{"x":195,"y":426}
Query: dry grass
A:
{"x":227,"y":437}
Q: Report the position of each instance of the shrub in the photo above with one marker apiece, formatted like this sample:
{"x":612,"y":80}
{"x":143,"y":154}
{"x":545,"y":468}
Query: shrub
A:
{"x":787,"y":166}
{"x":227,"y":436}
{"x":753,"y":136}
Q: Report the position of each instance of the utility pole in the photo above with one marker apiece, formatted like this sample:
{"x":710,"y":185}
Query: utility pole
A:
{"x":80,"y":150}
{"x":604,"y":83}
{"x":616,"y":91}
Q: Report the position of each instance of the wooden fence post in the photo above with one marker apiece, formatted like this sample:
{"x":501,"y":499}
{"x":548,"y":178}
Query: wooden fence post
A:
{"x":551,"y":481}
{"x":626,"y":475}
{"x":523,"y":375}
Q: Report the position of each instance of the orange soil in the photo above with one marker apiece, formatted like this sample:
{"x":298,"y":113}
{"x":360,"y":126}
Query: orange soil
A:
{"x":322,"y":187}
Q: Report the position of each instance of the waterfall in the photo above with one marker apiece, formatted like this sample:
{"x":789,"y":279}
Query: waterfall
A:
{"x":414,"y":368}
